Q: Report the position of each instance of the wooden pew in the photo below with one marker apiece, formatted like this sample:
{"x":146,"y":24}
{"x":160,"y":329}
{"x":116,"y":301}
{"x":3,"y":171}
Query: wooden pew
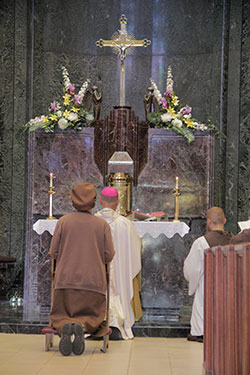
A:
{"x":227,"y":310}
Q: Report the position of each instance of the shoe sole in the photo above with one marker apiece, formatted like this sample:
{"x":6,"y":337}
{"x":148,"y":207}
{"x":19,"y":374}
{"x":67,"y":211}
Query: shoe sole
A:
{"x":65,"y":344}
{"x":78,"y":345}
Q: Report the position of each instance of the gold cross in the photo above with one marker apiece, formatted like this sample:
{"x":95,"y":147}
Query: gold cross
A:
{"x":121,"y":41}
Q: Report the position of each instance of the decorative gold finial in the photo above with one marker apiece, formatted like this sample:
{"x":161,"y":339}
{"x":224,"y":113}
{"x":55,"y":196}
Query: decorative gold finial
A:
{"x":123,"y":19}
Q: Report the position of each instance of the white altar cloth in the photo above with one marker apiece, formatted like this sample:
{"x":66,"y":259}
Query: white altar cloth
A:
{"x":153,"y":228}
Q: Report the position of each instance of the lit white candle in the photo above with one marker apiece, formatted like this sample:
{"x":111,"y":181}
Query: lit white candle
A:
{"x":176,"y":182}
{"x":50,"y":179}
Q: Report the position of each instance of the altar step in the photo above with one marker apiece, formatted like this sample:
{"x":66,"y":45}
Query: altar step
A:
{"x":11,"y":321}
{"x":140,"y":330}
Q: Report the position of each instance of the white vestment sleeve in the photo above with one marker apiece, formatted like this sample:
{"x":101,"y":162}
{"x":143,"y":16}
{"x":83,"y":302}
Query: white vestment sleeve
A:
{"x":194,"y":264}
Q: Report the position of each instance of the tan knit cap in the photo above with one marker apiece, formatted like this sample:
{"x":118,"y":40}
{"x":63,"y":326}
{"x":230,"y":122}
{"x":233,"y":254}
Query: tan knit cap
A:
{"x":83,"y":196}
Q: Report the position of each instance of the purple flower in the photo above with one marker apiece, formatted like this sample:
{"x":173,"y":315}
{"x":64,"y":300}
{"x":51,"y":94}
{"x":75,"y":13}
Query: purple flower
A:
{"x":77,"y":100}
{"x":163,"y":103}
{"x":71,"y":89}
{"x":186,"y":110}
{"x":53,"y":107}
{"x":168,"y":94}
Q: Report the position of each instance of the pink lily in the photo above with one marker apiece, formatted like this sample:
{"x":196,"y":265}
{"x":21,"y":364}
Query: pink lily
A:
{"x":163,"y":103}
{"x":168,"y":94}
{"x":186,"y":110}
{"x":77,"y":100}
{"x":71,"y":89}
{"x":53,"y":107}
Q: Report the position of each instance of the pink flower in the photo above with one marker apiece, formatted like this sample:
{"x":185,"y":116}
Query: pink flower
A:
{"x":71,"y":89}
{"x":168,"y":94}
{"x":53,"y":107}
{"x":77,"y":100}
{"x":186,"y":110}
{"x":163,"y":103}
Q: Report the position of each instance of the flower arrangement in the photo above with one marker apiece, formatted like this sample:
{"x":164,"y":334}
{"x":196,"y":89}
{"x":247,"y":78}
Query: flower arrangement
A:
{"x":172,"y":116}
{"x":71,"y":114}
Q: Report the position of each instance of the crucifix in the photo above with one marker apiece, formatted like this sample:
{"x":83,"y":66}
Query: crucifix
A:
{"x":121,"y":42}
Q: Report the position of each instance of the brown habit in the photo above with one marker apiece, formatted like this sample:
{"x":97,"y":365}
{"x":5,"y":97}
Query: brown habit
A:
{"x":243,"y":236}
{"x":218,"y":238}
{"x":82,"y":245}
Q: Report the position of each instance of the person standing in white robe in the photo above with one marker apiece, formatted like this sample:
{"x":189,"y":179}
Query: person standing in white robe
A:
{"x":125,"y":267}
{"x":194,"y":267}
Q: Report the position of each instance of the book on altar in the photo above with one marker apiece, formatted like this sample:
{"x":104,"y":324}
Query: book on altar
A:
{"x":244,"y":224}
{"x":152,"y":216}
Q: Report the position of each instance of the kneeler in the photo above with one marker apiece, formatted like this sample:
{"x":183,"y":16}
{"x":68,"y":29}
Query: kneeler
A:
{"x":49,"y":331}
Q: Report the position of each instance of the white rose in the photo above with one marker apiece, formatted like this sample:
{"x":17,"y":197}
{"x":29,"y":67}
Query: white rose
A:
{"x":72,"y":116}
{"x":59,"y":113}
{"x":166,"y":117}
{"x":62,"y":123}
{"x":177,"y":122}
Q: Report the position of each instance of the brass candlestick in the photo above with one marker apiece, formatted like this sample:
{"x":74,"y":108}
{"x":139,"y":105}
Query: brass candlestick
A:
{"x":176,"y":194}
{"x":51,"y":192}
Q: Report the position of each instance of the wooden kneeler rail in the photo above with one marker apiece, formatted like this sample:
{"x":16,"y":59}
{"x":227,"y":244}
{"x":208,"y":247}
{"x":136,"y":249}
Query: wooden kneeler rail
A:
{"x":227,"y":310}
{"x":50,"y":332}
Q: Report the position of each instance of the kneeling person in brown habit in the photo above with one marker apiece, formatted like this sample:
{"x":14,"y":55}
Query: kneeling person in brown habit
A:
{"x":82,"y":245}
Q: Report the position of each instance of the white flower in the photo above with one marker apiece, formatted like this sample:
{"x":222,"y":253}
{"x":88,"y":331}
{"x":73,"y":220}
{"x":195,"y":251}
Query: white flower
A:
{"x":170,"y":82}
{"x":178,"y":123}
{"x":166,"y":117}
{"x":59,"y":113}
{"x":62,"y":123}
{"x":200,"y":126}
{"x":83,"y":89}
{"x":66,"y":79}
{"x":37,"y":120}
{"x":157,"y":93}
{"x":187,"y":116}
{"x":72,"y":116}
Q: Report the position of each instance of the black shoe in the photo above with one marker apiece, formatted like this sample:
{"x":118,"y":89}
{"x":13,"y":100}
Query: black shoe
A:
{"x":65,"y":344}
{"x":78,"y":345}
{"x":194,"y":338}
{"x":116,"y":334}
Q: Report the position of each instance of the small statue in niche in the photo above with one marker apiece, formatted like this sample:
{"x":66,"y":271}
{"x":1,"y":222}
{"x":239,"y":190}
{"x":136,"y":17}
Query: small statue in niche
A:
{"x":156,"y":105}
{"x":93,"y":99}
{"x":96,"y":100}
{"x":148,"y":101}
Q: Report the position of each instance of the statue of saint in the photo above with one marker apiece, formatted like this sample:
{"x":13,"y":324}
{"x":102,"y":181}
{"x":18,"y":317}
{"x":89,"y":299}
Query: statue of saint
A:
{"x":96,"y":100}
{"x":148,"y":101}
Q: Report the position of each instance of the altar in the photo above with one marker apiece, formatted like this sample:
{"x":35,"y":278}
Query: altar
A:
{"x":73,"y":158}
{"x":161,"y":281}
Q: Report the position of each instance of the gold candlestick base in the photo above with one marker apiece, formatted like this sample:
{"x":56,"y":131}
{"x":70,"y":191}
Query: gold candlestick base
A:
{"x":51,"y":218}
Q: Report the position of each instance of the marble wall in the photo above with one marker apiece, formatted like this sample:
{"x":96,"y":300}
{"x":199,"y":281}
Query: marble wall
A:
{"x":206,"y":42}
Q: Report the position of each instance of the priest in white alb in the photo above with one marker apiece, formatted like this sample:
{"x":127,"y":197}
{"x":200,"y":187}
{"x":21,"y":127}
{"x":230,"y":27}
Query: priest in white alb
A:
{"x":194,"y":267}
{"x":125,"y":268}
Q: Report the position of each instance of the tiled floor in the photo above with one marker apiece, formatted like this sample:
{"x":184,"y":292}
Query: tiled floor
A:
{"x":24,"y":355}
